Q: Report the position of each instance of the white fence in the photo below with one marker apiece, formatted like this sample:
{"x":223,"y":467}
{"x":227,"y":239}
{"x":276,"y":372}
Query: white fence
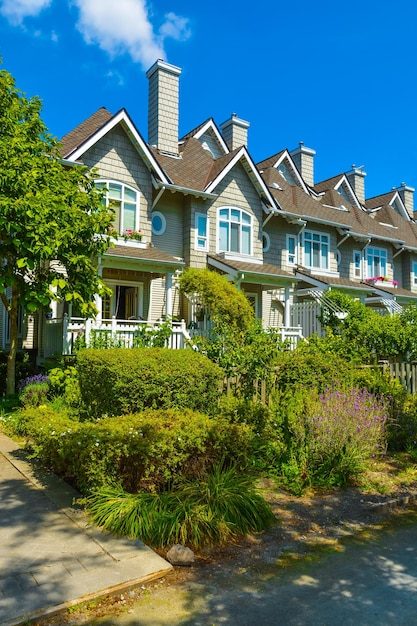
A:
{"x":120,"y":332}
{"x":304,"y":314}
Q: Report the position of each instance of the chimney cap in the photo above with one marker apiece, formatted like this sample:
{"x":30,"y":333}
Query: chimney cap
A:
{"x":160,"y":64}
{"x":234,"y":119}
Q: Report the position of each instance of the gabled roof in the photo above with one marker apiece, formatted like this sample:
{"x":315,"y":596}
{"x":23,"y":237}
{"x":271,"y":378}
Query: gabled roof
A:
{"x":84,"y":131}
{"x":190,"y":169}
{"x":87,"y":134}
{"x":378,"y":201}
{"x":225,"y":164}
{"x":209,"y":129}
{"x":340,"y":181}
{"x":390,"y":200}
{"x":278,"y":159}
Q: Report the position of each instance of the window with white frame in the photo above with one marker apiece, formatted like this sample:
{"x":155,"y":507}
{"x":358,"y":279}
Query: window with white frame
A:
{"x":414,"y":274}
{"x":235,"y":230}
{"x":376,"y":262}
{"x":357,"y":264}
{"x":201,"y":231}
{"x":316,"y":250}
{"x":292,"y":249}
{"x":124,"y":201}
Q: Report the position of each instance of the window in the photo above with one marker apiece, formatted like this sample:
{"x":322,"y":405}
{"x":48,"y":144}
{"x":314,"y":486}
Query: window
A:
{"x":235,"y":231}
{"x":266,"y":242}
{"x":159,"y":223}
{"x":291,"y":249}
{"x":376,"y":262}
{"x":124,"y":201}
{"x":316,"y":250}
{"x":414,"y":276}
{"x":201,"y":231}
{"x":357,"y":264}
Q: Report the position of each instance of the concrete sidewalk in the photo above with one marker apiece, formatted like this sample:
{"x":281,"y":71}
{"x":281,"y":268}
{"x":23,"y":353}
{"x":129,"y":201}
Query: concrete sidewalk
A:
{"x":50,"y":558}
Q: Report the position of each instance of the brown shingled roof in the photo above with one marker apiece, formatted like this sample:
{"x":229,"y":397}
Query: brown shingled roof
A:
{"x":146,"y":254}
{"x":86,"y":129}
{"x":378,"y":201}
{"x":191,"y":169}
{"x":265,"y":269}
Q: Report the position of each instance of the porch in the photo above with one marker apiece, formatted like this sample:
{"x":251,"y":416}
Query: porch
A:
{"x":62,"y":335}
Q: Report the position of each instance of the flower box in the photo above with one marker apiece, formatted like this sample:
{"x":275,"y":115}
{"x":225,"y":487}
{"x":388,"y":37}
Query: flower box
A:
{"x":382,"y":281}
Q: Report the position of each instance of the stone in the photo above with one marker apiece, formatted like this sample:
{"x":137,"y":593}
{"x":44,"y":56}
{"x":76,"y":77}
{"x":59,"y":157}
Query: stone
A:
{"x":180,"y":555}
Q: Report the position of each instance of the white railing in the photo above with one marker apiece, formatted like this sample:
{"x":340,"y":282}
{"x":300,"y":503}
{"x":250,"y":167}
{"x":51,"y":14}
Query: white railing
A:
{"x":292,"y":335}
{"x":120,"y":332}
{"x":61,"y":334}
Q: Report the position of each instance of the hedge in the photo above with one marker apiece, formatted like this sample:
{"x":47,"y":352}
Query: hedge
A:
{"x":119,"y":381}
{"x":146,"y":451}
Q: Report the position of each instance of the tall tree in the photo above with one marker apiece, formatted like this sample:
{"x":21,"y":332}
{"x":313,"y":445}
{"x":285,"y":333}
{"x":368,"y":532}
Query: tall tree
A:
{"x":53,"y":224}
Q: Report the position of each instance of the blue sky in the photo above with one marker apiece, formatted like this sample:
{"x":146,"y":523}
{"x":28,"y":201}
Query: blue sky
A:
{"x":341,"y":77}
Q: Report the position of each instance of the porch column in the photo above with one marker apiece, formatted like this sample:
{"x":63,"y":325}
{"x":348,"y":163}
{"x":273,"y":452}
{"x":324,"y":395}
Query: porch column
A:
{"x":168,"y":287}
{"x":97,"y":302}
{"x":287,"y":309}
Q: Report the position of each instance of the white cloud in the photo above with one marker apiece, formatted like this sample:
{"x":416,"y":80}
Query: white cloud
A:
{"x":16,"y":10}
{"x":124,"y":26}
{"x":175,"y":27}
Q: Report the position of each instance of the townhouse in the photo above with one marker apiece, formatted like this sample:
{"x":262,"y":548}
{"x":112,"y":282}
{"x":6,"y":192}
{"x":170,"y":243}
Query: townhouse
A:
{"x":201,"y":201}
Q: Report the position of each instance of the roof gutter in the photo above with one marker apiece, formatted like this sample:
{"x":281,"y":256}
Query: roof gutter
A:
{"x":185,"y":190}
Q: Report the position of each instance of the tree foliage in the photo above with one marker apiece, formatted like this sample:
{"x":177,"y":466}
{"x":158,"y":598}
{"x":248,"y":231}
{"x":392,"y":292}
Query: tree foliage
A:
{"x":368,"y":336}
{"x":229,"y":308}
{"x":52,"y":221}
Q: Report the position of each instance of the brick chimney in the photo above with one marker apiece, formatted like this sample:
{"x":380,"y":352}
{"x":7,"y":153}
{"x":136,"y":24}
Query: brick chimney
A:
{"x":303,"y":158}
{"x":163,"y":106}
{"x":235,"y":132}
{"x":407,"y":196}
{"x":356,"y":177}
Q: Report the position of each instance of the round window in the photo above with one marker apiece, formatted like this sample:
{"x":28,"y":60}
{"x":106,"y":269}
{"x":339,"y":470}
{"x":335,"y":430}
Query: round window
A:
{"x":266,"y":242}
{"x":159,"y":223}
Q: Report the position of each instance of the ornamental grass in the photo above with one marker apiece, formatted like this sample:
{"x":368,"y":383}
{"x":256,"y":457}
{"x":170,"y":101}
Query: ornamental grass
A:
{"x":218,"y":509}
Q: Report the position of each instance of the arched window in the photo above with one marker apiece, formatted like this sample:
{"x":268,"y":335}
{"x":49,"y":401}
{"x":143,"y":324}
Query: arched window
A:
{"x":235,"y":230}
{"x":124,"y":201}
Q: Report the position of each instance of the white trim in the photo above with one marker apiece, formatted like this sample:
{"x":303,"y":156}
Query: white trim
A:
{"x":297,"y":175}
{"x":206,"y":247}
{"x":354,"y":253}
{"x":162,"y":217}
{"x":242,"y":153}
{"x":123,"y":185}
{"x":414,"y":274}
{"x":266,"y":247}
{"x":120,"y":117}
{"x":251,"y":224}
{"x":211,"y":125}
{"x":317,"y":269}
{"x":288,"y":237}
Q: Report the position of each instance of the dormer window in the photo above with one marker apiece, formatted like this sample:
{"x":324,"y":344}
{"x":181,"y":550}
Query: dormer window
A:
{"x":124,"y":201}
{"x":286,"y":173}
{"x":235,"y":231}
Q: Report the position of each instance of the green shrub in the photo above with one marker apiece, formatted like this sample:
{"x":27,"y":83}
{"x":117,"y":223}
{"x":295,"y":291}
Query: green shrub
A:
{"x":143,"y":451}
{"x":120,"y":381}
{"x":328,"y":437}
{"x":220,"y":507}
{"x":309,"y":368}
{"x":34,"y":394}
{"x":64,"y":383}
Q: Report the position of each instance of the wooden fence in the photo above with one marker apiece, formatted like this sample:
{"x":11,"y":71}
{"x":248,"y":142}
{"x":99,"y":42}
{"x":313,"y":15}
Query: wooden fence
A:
{"x":263,"y":391}
{"x":406,"y":373}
